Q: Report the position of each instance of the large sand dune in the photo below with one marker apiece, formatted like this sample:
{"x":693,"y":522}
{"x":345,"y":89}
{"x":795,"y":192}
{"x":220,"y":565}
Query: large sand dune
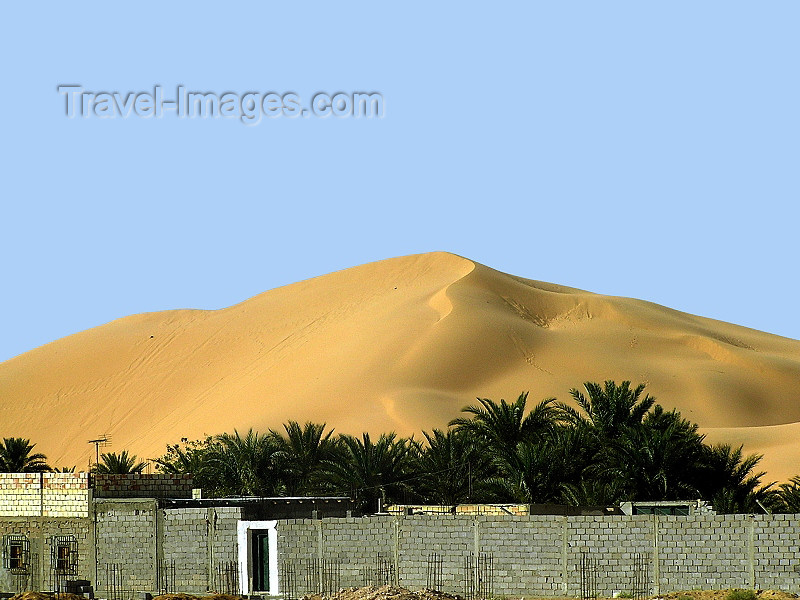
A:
{"x":401,"y":345}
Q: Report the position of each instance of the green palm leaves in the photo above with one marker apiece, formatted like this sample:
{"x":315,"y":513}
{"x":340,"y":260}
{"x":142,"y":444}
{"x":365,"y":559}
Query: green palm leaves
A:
{"x":612,"y":444}
{"x":119,"y":464}
{"x":16,"y":457}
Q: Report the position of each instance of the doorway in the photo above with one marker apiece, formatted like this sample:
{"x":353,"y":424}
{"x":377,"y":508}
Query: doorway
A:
{"x":260,"y":559}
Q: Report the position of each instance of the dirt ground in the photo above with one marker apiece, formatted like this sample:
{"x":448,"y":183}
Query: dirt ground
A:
{"x":389,"y":592}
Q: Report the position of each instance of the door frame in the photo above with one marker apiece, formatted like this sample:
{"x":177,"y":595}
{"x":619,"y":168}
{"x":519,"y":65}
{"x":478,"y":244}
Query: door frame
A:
{"x":244,"y":535}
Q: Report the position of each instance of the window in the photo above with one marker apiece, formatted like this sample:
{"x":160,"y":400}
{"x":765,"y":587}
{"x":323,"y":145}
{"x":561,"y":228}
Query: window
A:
{"x":16,"y":551}
{"x":64,"y":554}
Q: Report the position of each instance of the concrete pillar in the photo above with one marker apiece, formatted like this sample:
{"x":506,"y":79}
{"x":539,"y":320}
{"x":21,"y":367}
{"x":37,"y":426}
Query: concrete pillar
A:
{"x":211,"y":529}
{"x":397,"y":551}
{"x":564,"y":556}
{"x":158,"y":545}
{"x":751,"y":551}
{"x":656,"y":558}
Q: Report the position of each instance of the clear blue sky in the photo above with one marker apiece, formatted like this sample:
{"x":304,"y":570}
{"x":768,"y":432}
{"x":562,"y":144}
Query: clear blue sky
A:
{"x":630,"y":148}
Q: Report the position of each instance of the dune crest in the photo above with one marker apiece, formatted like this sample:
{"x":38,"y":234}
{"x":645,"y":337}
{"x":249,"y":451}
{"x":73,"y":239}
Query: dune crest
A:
{"x":401,"y":344}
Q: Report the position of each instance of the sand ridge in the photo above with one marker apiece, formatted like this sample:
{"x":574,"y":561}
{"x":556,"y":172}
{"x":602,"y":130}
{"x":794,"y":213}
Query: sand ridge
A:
{"x":401,"y":344}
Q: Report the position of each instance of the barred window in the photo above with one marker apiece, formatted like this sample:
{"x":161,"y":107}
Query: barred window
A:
{"x":64,"y":554}
{"x":16,"y":553}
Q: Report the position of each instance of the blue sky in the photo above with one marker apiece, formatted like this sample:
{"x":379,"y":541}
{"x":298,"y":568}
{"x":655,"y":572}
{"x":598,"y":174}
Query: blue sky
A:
{"x":637,"y":149}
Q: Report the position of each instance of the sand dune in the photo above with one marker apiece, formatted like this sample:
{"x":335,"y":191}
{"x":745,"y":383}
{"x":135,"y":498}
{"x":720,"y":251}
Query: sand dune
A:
{"x":400,"y":344}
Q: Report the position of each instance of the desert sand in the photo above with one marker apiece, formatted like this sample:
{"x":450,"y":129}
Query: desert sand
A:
{"x":401,"y":344}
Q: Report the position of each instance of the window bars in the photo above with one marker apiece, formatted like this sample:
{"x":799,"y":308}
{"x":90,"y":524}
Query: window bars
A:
{"x":64,"y":554}
{"x":16,"y":553}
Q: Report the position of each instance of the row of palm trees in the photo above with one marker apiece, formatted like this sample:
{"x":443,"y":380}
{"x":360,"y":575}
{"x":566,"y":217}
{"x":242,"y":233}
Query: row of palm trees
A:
{"x":614,"y":444}
{"x":17,"y":456}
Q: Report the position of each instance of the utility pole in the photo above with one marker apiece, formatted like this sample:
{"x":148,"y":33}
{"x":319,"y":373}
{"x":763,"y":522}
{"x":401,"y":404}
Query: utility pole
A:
{"x":104,"y":440}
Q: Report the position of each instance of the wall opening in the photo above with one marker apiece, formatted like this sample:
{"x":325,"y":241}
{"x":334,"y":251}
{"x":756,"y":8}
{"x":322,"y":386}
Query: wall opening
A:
{"x":258,"y":557}
{"x":16,"y":553}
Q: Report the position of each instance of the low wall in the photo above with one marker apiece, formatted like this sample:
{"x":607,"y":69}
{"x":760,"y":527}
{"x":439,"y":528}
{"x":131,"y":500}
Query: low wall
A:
{"x":543,"y":555}
{"x":141,"y":485}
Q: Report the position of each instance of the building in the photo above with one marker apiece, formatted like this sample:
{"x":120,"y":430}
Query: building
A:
{"x":132,"y":533}
{"x":147,"y":533}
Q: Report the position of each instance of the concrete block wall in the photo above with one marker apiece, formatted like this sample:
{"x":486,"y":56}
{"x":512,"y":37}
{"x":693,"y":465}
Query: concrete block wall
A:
{"x":45,"y":495}
{"x":186,"y":535}
{"x":450,"y":537}
{"x":200,"y":541}
{"x":776,"y":551}
{"x":127,"y":536}
{"x":541,"y":555}
{"x":146,"y":541}
{"x":708,"y":552}
{"x":527,"y":552}
{"x":356,"y":545}
{"x":66,"y":495}
{"x":39,"y":532}
{"x":224,"y":548}
{"x":613,"y":542}
{"x":142,"y":485}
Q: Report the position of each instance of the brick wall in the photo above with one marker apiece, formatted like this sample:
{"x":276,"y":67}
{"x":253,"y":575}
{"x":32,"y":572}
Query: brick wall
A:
{"x":142,"y":485}
{"x":44,"y":495}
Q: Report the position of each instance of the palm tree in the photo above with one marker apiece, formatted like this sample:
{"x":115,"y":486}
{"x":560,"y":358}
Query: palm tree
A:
{"x":608,"y":409}
{"x":651,"y":463}
{"x":303,"y":451}
{"x":532,"y":474}
{"x":592,"y":492}
{"x":731,"y":483}
{"x":371,"y":470}
{"x":451,"y":468}
{"x":539,"y":471}
{"x":119,"y":464}
{"x":16,"y":457}
{"x":245,"y":466}
{"x":500,"y":427}
{"x":789,"y":495}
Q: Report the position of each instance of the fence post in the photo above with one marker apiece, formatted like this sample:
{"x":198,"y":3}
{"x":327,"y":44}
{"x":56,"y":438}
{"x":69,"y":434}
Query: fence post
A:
{"x":751,"y":534}
{"x":564,"y":556}
{"x":656,"y":558}
{"x":320,"y":559}
{"x":211,"y":529}
{"x":397,"y":551}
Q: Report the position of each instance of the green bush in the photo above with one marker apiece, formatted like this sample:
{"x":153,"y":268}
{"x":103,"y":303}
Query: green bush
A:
{"x":741,"y":595}
{"x":685,"y":597}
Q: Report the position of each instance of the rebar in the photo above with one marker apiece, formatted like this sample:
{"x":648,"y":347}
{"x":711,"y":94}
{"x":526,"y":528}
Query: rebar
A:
{"x":227,"y":578}
{"x":434,"y":579}
{"x":478,"y":576}
{"x":640,"y":577}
